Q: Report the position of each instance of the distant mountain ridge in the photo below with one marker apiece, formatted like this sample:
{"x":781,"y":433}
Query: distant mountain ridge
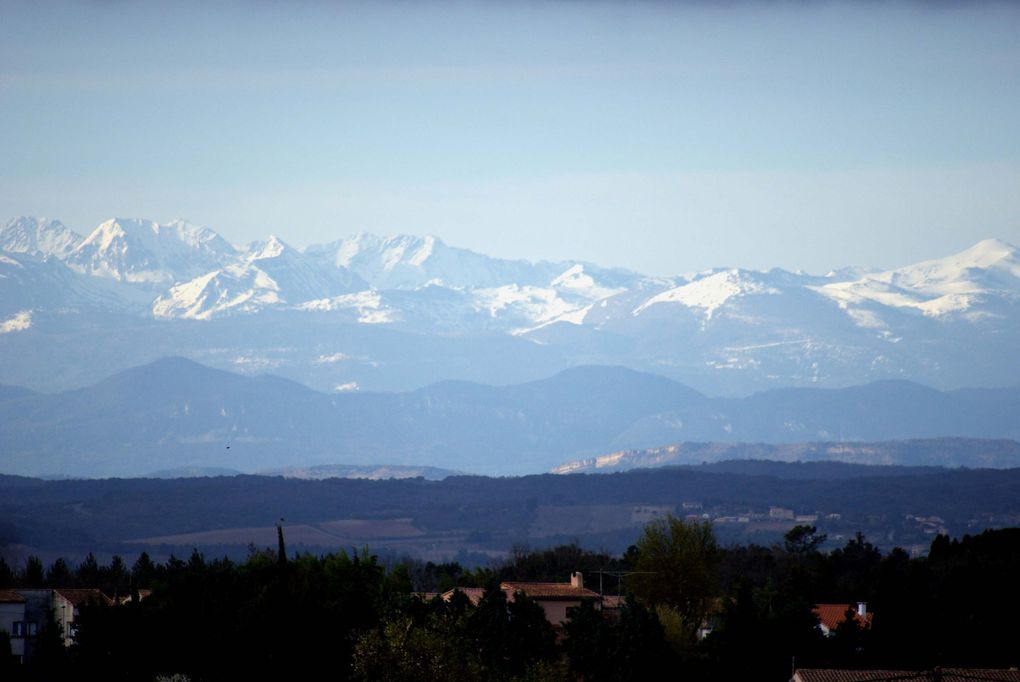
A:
{"x":918,"y":452}
{"x":176,"y":414}
{"x":400,"y":312}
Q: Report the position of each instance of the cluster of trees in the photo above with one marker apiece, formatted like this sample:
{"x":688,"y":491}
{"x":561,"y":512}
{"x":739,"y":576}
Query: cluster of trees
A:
{"x":114,"y":579}
{"x":704,"y":611}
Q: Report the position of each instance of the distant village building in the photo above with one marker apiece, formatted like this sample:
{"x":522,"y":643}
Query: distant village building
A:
{"x":645,"y":513}
{"x":780,"y":514}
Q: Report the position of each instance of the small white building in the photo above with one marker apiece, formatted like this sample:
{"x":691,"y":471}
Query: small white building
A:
{"x":12,"y":620}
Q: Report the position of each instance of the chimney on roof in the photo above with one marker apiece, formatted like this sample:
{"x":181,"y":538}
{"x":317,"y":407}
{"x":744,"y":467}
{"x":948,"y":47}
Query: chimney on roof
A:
{"x":576,"y":579}
{"x":862,"y":609}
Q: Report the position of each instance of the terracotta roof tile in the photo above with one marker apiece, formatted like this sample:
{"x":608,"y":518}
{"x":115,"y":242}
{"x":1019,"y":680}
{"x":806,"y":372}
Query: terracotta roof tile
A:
{"x":947,"y":675}
{"x":831,"y":615}
{"x":10,"y":596}
{"x":426,"y":596}
{"x":549,"y":590}
{"x":474,"y":594}
{"x":80,"y":596}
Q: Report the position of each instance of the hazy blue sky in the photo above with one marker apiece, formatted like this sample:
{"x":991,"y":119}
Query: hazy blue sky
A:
{"x":658,"y":136}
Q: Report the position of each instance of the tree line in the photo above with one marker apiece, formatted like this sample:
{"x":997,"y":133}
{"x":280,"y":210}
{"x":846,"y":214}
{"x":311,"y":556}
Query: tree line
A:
{"x":689,"y":605}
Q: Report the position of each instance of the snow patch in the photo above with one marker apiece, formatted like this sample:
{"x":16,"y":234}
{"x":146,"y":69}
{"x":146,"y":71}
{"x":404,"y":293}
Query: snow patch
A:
{"x":19,"y":323}
{"x":573,"y":317}
{"x":575,"y":280}
{"x":255,"y":363}
{"x":865,"y":318}
{"x":331,"y":358}
{"x":368,"y":304}
{"x":535,"y":306}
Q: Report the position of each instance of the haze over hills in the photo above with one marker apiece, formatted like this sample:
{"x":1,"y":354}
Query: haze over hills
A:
{"x":175,"y":414}
{"x":402,"y":312}
{"x":897,"y":454}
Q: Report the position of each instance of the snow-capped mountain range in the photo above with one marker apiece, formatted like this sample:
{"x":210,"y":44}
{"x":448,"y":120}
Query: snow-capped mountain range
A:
{"x":397,"y":312}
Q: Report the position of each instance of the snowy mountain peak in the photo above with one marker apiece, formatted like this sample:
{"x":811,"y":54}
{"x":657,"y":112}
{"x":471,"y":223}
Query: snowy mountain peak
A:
{"x":274,"y":247}
{"x":989,"y":253}
{"x":940,"y":286}
{"x":408,"y":262}
{"x":197,"y":236}
{"x":988,"y":264}
{"x":392,"y":251}
{"x":407,"y":250}
{"x":121,"y":227}
{"x":941,"y":321}
{"x":38,"y":237}
{"x":235,"y":289}
{"x":710,"y":292}
{"x":144,"y":251}
{"x":271,"y":273}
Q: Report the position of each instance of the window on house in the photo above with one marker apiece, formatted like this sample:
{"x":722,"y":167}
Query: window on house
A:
{"x":22,"y":629}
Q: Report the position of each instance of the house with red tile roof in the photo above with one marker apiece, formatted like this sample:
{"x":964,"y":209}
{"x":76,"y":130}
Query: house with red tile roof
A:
{"x":831,"y":615}
{"x":554,"y":598}
{"x":474,"y":594}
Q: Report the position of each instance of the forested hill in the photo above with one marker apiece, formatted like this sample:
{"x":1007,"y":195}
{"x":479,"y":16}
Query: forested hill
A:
{"x":892,"y":505}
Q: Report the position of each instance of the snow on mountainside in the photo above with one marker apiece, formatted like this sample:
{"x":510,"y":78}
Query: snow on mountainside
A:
{"x":577,"y":280}
{"x":30,"y":283}
{"x":710,"y":292}
{"x":523,"y":307}
{"x":366,"y":307}
{"x":234,"y":289}
{"x":38,"y":237}
{"x":940,"y":287}
{"x":953,"y":321}
{"x":298,"y":276}
{"x":147,"y":252}
{"x":272,"y":274}
{"x":409,"y":262}
{"x":567,"y":298}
